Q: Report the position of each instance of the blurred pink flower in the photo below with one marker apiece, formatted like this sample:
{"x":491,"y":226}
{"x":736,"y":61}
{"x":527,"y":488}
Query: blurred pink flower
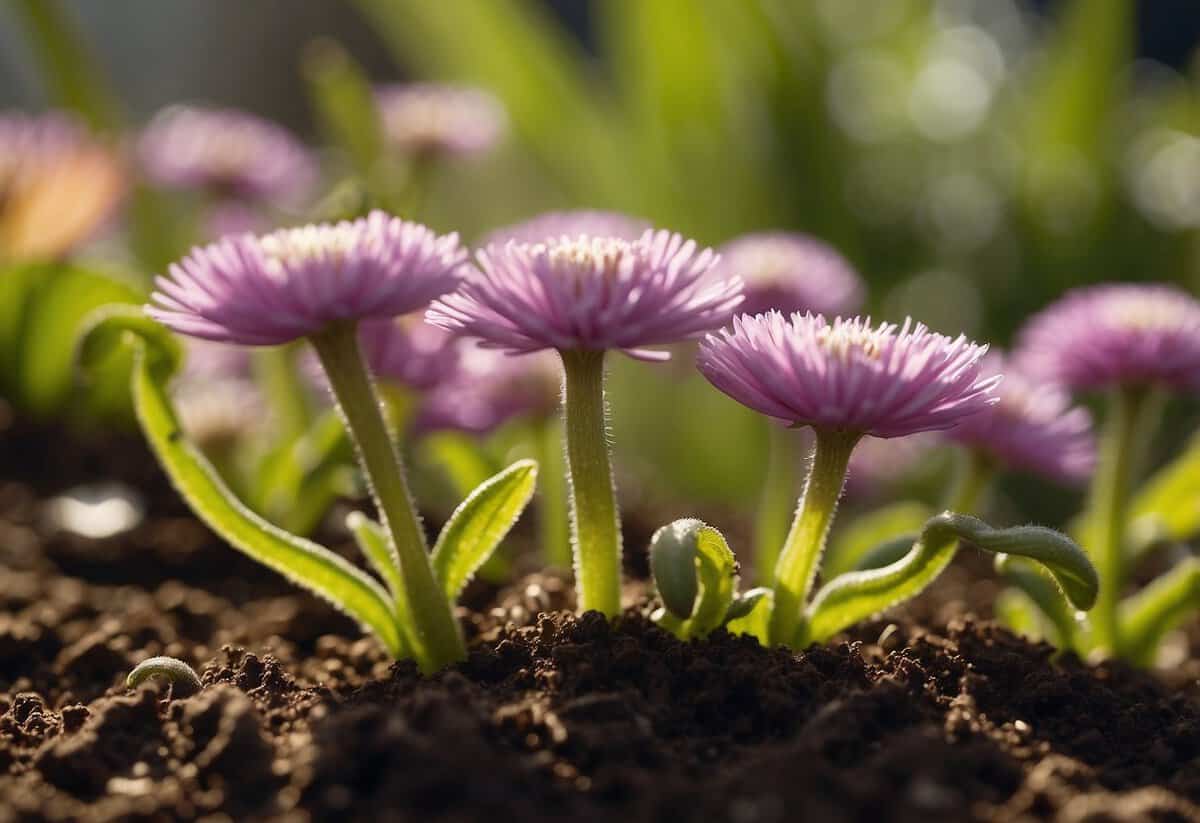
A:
{"x":227,"y":152}
{"x":1119,"y":334}
{"x":491,"y":388}
{"x":791,"y":272}
{"x":427,"y":118}
{"x":1033,"y":427}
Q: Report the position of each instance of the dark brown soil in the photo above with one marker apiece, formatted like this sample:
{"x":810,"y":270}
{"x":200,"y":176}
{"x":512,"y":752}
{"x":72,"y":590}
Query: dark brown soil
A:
{"x":926,"y":715}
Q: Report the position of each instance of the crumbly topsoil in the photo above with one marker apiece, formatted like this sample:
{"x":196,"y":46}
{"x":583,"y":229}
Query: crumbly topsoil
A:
{"x":919,"y":716}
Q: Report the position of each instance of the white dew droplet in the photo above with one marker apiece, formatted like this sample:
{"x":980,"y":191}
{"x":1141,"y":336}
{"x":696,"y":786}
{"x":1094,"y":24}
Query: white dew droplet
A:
{"x":96,"y":511}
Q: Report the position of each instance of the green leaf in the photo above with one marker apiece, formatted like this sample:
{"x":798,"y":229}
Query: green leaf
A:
{"x":746,"y":602}
{"x":479,"y":524}
{"x":1016,"y":611}
{"x":1168,"y":506}
{"x":58,"y":299}
{"x":1043,"y":595}
{"x":516,"y":49}
{"x":72,"y":76}
{"x":855,"y":596}
{"x":157,"y":356}
{"x":466,"y":465}
{"x":1147,"y":616}
{"x":373,"y":541}
{"x":298,"y":481}
{"x":866,"y":532}
{"x":696,"y":575}
{"x":886,"y":553}
{"x":341,"y":95}
{"x":757,"y":621}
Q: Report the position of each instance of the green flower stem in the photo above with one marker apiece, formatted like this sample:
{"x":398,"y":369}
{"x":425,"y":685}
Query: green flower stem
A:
{"x":553,"y":520}
{"x":275,"y":368}
{"x":1120,"y":446}
{"x":974,"y":475}
{"x":801,"y":554}
{"x":776,"y":505}
{"x":595,"y":523}
{"x":423,"y":607}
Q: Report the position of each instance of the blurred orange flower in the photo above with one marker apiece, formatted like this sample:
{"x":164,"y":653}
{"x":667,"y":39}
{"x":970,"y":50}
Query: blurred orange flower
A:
{"x":57,"y":186}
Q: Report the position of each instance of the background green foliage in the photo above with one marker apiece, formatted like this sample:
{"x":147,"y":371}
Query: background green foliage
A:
{"x":971,"y":159}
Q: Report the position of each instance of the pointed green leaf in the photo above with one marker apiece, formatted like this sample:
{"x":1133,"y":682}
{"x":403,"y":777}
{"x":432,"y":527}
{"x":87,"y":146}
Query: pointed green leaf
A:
{"x":73,"y":77}
{"x":479,"y":524}
{"x":305,"y":563}
{"x":341,"y":94}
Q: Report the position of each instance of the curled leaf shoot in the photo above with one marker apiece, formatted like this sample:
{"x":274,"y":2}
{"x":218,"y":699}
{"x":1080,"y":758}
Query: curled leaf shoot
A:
{"x":696,"y":575}
{"x":857,"y":595}
{"x":480,"y":522}
{"x":183,"y":678}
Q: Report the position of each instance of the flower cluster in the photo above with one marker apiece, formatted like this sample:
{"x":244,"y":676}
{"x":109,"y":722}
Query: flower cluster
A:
{"x":545,"y":301}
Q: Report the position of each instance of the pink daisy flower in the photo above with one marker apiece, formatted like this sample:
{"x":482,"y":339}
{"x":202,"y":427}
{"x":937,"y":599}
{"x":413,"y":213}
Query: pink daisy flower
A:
{"x":589,"y":294}
{"x":293,"y":283}
{"x":848,"y":375}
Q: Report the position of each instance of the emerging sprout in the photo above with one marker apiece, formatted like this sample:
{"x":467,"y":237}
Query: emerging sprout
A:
{"x":183,"y":678}
{"x":697,"y":579}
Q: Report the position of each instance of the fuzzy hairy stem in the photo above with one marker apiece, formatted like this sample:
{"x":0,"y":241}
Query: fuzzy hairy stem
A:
{"x":1109,"y":507}
{"x":595,"y":520}
{"x":800,"y":557}
{"x":436,"y":640}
